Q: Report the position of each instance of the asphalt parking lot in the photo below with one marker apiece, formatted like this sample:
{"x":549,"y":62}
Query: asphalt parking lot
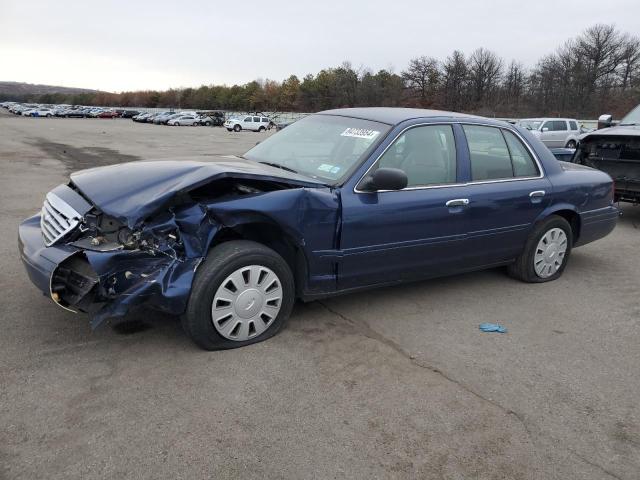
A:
{"x":394,"y":383}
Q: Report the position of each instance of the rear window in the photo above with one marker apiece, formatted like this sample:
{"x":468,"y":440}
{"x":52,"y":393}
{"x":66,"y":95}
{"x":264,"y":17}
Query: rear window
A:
{"x":497,"y":154}
{"x":489,"y":154}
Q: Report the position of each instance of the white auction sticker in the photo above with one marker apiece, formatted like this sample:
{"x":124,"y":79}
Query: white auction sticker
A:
{"x":360,"y":133}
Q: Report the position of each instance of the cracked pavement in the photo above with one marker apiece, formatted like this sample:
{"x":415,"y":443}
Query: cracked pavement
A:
{"x":391,"y":383}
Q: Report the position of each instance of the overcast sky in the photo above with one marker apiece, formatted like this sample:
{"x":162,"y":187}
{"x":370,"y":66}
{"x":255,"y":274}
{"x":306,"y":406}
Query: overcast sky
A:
{"x":138,"y":44}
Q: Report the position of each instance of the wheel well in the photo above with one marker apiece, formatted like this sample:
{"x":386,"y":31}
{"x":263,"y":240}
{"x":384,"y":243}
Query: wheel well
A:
{"x":574,"y":220}
{"x":273,"y":237}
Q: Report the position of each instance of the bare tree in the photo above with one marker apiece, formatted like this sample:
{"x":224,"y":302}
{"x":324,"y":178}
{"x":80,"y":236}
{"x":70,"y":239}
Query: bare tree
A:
{"x":630,"y":61}
{"x":422,"y":77}
{"x":455,"y":81}
{"x":485,"y":70}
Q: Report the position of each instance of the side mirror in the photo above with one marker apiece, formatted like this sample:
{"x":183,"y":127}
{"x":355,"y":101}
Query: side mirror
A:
{"x":605,"y":121}
{"x":545,"y":129}
{"x":385,"y":179}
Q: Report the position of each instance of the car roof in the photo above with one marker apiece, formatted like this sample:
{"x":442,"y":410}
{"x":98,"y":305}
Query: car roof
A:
{"x":392,"y":115}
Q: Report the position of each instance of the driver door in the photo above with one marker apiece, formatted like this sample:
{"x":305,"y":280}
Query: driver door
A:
{"x":412,"y":233}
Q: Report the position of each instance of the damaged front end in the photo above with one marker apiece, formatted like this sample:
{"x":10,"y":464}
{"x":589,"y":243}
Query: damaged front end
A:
{"x":98,"y":265}
{"x":95,"y":260}
{"x":617,"y":155}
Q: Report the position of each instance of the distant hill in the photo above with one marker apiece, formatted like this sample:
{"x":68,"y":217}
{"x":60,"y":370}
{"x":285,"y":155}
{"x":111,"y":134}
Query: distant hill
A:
{"x":21,"y":90}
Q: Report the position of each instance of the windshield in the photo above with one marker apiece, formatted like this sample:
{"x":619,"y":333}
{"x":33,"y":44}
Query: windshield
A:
{"x":324,"y":147}
{"x":632,"y":118}
{"x":531,"y":124}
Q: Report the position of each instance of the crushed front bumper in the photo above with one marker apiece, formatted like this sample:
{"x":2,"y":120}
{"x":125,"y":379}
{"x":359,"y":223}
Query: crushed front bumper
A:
{"x":39,"y":260}
{"x":104,"y":284}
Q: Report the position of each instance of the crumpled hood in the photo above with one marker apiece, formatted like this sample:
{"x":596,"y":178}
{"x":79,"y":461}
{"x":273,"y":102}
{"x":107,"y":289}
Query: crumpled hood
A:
{"x":132,"y":191}
{"x":618,"y":130}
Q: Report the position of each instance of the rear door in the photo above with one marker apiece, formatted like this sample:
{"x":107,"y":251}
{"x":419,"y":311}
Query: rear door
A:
{"x":507,"y":193}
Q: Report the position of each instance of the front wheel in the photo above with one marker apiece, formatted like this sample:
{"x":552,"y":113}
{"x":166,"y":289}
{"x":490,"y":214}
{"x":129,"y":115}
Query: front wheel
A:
{"x":546,"y":252}
{"x":237,"y":128}
{"x":242,"y":294}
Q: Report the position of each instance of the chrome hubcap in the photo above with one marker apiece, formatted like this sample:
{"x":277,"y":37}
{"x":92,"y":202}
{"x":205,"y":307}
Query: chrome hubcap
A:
{"x":246,"y":303}
{"x":550,"y":253}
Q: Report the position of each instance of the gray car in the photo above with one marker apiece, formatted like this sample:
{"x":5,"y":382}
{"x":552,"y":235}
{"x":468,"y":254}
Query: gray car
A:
{"x":187,"y":119}
{"x":554,"y":132}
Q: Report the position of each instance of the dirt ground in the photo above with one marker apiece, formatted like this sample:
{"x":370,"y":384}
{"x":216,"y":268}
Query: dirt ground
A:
{"x":392,"y":383}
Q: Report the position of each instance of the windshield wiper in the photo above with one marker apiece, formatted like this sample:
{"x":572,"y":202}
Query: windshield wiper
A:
{"x":277,"y":165}
{"x":629,"y":124}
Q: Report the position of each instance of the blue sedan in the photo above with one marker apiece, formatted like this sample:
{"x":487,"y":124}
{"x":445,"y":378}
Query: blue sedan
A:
{"x":337,"y":202}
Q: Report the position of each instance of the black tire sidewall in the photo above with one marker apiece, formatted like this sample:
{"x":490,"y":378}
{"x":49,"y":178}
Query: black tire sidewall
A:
{"x":530,"y":249}
{"x":220,"y":264}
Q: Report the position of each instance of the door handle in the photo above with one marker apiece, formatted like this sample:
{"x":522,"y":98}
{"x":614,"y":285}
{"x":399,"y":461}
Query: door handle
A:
{"x":537,"y":194}
{"x":457,"y":202}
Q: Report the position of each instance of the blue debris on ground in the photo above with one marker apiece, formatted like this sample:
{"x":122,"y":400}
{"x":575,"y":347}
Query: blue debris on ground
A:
{"x":492,"y":327}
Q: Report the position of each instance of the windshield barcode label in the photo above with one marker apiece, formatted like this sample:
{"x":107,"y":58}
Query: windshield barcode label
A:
{"x":360,"y":133}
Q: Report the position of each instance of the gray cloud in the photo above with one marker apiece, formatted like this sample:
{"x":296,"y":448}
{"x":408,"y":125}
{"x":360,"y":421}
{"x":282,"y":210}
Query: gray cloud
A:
{"x":119,"y":45}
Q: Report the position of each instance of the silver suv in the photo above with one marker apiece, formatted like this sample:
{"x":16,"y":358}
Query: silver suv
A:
{"x":554,"y":132}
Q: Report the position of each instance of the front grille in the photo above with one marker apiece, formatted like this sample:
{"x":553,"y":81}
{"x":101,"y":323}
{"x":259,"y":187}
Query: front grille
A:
{"x":58,"y":219}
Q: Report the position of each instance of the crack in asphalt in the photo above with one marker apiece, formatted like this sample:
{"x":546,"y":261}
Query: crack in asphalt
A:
{"x":595,"y":465}
{"x":372,"y":334}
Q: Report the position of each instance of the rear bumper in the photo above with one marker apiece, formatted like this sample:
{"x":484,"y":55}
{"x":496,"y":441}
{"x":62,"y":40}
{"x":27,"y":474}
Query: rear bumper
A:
{"x":596,"y":224}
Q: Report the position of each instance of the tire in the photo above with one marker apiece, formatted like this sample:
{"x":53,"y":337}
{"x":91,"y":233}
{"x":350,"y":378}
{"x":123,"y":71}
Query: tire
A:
{"x":207,"y":124}
{"x":223,"y":261}
{"x":48,"y":115}
{"x":237,"y":128}
{"x":261,"y":129}
{"x":176,"y":124}
{"x":524,"y":268}
{"x":571,"y":144}
{"x":229,"y":129}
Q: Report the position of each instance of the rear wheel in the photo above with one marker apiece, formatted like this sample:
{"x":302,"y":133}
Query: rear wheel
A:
{"x":242,"y":294}
{"x":237,"y":128}
{"x":571,"y":144}
{"x":261,"y":129}
{"x":546,"y":252}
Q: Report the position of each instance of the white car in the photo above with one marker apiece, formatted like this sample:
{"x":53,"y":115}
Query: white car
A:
{"x":554,"y":132}
{"x":192,"y":120}
{"x":250,"y":122}
{"x":38,"y":112}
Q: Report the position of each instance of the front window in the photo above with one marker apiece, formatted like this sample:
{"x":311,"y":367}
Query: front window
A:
{"x":632,"y":118}
{"x":426,"y":154}
{"x":325,"y":147}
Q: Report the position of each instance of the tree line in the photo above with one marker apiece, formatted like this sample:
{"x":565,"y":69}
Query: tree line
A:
{"x":596,"y":72}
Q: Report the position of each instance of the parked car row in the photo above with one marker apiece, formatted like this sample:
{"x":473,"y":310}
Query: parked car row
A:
{"x":68,"y":111}
{"x":182,"y":118}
